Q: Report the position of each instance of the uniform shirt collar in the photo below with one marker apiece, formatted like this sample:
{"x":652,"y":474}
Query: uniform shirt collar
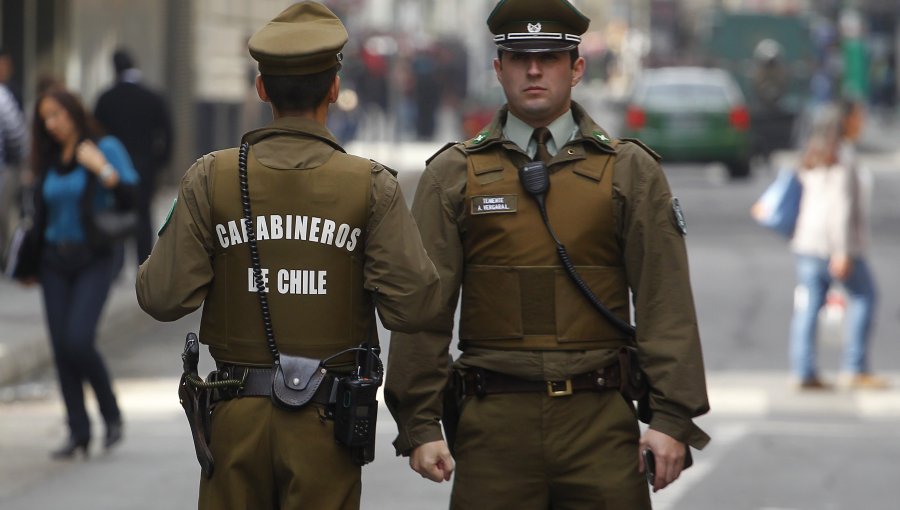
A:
{"x":293,"y":125}
{"x":292,"y":143}
{"x":563,"y":129}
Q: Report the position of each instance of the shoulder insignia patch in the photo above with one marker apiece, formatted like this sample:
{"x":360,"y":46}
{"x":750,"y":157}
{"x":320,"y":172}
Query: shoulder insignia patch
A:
{"x":168,"y":218}
{"x":600,"y":136}
{"x":644,"y":146}
{"x":678,"y":216}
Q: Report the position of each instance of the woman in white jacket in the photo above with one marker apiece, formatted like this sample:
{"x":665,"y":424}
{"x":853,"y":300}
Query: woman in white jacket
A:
{"x":830,"y":244}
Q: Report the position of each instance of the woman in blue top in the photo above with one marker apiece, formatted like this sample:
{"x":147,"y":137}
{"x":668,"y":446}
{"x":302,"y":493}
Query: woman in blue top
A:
{"x":78,"y":172}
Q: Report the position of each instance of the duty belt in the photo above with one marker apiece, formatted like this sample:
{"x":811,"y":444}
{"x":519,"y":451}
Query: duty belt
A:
{"x":480,"y":382}
{"x":257,"y":382}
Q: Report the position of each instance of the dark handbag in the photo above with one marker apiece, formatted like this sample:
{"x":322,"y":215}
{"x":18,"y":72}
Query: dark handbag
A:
{"x":106,"y":227}
{"x":112,"y":225}
{"x":296,"y":380}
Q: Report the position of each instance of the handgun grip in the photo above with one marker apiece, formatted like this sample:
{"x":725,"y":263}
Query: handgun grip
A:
{"x":190,"y":358}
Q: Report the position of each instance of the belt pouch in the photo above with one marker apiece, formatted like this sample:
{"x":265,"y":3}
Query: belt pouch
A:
{"x":296,"y":380}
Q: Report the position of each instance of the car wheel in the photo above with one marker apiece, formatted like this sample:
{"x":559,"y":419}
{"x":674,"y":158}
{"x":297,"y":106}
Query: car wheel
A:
{"x":739,"y":169}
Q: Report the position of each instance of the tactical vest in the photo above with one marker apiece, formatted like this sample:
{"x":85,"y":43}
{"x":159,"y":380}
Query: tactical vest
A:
{"x":310,"y":230}
{"x":516,"y":294}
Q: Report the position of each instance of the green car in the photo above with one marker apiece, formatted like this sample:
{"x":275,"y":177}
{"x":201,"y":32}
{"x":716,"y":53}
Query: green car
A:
{"x":691,"y":114}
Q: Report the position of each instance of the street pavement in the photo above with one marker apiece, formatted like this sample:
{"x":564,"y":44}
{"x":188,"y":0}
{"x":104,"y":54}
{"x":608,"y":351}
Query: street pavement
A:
{"x":773,"y":448}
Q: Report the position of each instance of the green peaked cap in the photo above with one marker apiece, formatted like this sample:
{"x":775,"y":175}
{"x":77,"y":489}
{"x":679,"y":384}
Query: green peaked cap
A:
{"x":536,"y":26}
{"x":306,"y":38}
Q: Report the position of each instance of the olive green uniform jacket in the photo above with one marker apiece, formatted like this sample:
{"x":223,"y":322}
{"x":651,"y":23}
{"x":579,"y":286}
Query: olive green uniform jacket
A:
{"x":175,"y":279}
{"x":656,"y":267}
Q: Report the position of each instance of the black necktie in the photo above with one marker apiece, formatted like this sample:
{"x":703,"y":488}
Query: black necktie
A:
{"x":542,"y":135}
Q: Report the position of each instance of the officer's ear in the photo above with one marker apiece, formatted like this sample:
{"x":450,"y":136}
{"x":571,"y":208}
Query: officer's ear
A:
{"x":578,"y":70}
{"x":335,"y":90}
{"x":498,"y":64}
{"x":261,"y":89}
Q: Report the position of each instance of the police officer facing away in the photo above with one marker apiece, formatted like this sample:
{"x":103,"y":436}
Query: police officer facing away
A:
{"x":331,"y":230}
{"x":543,"y":423}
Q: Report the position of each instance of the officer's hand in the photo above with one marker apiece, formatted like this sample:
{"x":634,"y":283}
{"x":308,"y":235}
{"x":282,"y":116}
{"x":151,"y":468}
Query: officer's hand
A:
{"x":669,"y":453}
{"x":433,"y":461}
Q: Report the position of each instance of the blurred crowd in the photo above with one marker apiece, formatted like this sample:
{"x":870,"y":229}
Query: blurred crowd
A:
{"x":395,"y":87}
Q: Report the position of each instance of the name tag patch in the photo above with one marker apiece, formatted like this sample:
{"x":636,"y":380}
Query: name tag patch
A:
{"x":494,"y":204}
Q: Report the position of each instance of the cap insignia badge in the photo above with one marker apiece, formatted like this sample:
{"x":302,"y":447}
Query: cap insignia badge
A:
{"x":534,"y":28}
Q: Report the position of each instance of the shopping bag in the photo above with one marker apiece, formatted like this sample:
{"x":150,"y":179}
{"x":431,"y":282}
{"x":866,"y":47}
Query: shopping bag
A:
{"x":22,"y":256}
{"x":779,"y":205}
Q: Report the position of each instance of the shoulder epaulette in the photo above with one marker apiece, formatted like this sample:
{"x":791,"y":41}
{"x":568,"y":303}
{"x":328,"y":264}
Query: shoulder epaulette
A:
{"x":377,"y":166}
{"x":442,"y":149}
{"x":229,"y":152}
{"x":644,"y":146}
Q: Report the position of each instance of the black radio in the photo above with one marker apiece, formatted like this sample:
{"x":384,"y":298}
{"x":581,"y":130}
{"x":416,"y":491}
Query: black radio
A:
{"x":356,"y":411}
{"x":355,"y":406}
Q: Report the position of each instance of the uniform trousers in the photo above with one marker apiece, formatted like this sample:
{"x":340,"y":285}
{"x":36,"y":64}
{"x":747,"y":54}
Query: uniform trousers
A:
{"x":75,"y":282}
{"x":270,"y":458}
{"x":530,"y":451}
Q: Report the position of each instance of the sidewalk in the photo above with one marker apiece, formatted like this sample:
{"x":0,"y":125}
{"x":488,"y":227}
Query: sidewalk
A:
{"x":24,"y":341}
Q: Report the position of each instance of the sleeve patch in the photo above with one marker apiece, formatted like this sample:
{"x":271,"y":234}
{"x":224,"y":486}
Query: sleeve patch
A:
{"x":678,"y":216}
{"x":168,"y":218}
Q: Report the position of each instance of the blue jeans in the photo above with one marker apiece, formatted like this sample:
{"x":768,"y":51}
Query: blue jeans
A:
{"x":76,"y":282}
{"x":813,"y":283}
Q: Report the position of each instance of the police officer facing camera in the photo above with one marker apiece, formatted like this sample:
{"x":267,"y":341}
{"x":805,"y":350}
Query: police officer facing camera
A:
{"x":332,"y":236}
{"x":542,"y":375}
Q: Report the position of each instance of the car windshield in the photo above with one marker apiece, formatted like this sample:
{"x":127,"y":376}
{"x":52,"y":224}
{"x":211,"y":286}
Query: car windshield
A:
{"x":685,"y":96}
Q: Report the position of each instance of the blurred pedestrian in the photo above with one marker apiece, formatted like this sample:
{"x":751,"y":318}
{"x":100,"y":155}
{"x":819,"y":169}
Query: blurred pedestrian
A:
{"x":78,"y":173}
{"x":830,"y":243}
{"x":13,"y":140}
{"x":335,"y":242}
{"x":543,"y":423}
{"x":139,"y":118}
{"x":772,"y":121}
{"x":7,"y":69}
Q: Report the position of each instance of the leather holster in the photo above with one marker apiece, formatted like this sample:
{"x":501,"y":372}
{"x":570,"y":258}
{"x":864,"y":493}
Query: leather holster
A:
{"x":451,"y":406}
{"x":196,"y":404}
{"x":633,"y":383}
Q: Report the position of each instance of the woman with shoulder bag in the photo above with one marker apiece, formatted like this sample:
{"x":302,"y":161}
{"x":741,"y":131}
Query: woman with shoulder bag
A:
{"x":79,"y":175}
{"x":829,"y":243}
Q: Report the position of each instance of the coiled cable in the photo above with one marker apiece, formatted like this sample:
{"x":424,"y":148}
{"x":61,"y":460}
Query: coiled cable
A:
{"x":254,"y":253}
